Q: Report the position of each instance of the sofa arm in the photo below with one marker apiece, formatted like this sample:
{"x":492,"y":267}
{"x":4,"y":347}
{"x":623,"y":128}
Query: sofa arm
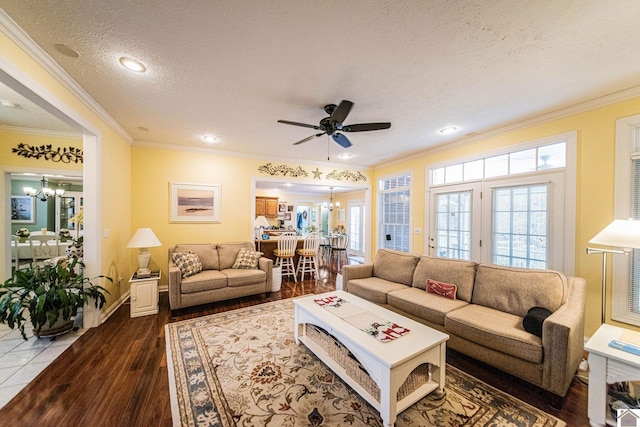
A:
{"x":563,"y":339}
{"x":266,"y":265}
{"x":355,"y":271}
{"x":175,"y":278}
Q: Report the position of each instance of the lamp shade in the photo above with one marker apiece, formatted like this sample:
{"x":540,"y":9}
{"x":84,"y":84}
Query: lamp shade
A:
{"x":144,"y":238}
{"x":621,"y":233}
{"x":261,"y":221}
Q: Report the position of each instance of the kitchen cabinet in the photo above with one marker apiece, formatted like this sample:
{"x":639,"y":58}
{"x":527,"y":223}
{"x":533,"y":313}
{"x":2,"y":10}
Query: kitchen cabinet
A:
{"x":267,"y":206}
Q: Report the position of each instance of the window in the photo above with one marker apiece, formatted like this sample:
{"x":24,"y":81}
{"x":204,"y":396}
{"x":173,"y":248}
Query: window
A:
{"x":513,"y":208}
{"x":395,"y":206}
{"x":626,"y":268}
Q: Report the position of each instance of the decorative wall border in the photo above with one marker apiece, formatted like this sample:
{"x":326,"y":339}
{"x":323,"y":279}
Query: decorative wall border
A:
{"x":285,"y":170}
{"x":60,"y":154}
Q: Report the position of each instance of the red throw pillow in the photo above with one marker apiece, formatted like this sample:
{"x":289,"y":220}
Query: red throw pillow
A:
{"x":446,"y":290}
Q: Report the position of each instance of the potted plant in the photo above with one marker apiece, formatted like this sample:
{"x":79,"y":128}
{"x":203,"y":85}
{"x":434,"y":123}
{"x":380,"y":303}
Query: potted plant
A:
{"x":48,"y":296}
{"x":23,"y":233}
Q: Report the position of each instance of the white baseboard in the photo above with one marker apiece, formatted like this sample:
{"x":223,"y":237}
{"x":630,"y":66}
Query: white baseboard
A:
{"x":113,"y":307}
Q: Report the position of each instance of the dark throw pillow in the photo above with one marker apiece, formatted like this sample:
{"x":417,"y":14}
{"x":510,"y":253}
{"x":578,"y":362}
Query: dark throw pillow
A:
{"x":534,"y":319}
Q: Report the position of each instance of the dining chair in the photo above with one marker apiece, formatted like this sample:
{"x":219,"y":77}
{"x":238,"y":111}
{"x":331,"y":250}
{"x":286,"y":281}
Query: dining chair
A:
{"x":16,"y":261}
{"x":43,"y":247}
{"x":340,"y":246}
{"x":307,"y":263}
{"x":285,"y":254}
{"x":325,"y":245}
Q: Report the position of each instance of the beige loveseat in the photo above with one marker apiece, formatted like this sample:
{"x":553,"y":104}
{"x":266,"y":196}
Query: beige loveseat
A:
{"x":485,"y":321}
{"x":218,"y":280}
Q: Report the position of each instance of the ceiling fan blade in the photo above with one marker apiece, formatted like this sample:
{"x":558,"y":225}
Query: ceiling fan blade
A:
{"x":342,"y":111}
{"x":309,"y":138}
{"x":341,"y":140}
{"x":361,"y":127}
{"x":287,"y":122}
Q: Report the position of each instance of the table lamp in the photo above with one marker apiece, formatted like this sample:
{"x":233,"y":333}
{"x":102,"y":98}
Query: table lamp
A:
{"x":621,"y":233}
{"x":144,"y":239}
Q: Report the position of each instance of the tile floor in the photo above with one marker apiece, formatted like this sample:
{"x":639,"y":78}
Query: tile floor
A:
{"x":21,"y":361}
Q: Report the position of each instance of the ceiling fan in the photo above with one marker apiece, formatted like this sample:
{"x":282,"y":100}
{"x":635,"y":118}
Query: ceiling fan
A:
{"x":332,"y":125}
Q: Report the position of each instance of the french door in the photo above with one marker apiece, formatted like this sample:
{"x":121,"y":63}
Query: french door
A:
{"x":356,"y":223}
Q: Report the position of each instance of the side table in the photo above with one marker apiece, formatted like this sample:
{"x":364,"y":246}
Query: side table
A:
{"x":607,"y":365}
{"x":144,"y":294}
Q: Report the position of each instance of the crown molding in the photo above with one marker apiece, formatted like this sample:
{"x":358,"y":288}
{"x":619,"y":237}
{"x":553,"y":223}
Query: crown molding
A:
{"x":40,"y":132}
{"x":561,"y":113}
{"x":22,"y":39}
{"x":279,"y":159}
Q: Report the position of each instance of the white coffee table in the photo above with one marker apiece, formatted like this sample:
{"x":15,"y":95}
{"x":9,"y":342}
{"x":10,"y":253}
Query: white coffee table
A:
{"x":387,"y":364}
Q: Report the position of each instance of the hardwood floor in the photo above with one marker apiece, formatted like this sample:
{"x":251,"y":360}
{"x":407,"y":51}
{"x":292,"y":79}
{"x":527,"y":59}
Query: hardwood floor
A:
{"x":116,"y":374}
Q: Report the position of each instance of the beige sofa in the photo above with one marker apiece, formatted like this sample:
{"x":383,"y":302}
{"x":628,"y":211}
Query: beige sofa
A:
{"x":485,"y":321}
{"x":217,"y":281}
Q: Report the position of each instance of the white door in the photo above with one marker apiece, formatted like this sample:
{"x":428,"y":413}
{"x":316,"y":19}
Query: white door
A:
{"x":356,"y":223}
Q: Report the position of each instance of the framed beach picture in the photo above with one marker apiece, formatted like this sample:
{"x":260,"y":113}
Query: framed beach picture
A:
{"x":23,"y":210}
{"x":195,"y":202}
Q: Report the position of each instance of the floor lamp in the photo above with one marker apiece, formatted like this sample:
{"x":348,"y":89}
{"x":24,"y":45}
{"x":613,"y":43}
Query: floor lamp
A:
{"x":620,"y":233}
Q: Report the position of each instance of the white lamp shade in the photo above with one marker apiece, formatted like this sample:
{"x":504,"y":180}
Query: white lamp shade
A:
{"x":144,"y":238}
{"x":261,"y":221}
{"x":621,"y":233}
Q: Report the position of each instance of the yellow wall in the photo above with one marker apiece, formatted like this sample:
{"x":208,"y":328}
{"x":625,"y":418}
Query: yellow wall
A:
{"x":114,"y":161}
{"x":152,"y":170}
{"x":595,"y":183}
{"x":10,"y":139}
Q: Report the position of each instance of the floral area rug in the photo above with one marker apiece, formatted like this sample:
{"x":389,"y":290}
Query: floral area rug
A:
{"x":243,"y":368}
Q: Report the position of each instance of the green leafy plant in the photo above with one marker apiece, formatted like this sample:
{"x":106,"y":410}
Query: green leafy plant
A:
{"x":45,"y":293}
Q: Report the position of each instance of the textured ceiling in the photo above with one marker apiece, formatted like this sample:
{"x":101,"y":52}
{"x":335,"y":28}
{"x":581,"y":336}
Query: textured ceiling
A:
{"x":233,"y":68}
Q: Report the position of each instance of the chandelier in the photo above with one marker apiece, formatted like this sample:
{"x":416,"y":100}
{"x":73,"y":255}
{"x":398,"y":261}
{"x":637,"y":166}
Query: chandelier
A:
{"x":44,"y":193}
{"x":337,"y":205}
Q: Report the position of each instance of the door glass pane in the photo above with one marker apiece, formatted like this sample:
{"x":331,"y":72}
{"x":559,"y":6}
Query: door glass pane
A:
{"x":520,"y":231}
{"x":453,"y":225}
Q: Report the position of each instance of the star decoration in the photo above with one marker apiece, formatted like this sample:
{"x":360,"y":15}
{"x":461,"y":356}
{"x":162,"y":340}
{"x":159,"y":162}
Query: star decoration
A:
{"x":316,"y":173}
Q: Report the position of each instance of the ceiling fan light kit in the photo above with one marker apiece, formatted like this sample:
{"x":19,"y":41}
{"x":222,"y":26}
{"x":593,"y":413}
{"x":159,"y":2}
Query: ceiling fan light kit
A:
{"x":332,"y":125}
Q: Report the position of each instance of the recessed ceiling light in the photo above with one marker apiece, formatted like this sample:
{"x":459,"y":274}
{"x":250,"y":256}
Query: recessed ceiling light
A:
{"x":345,"y":155}
{"x":210,"y":139}
{"x":8,"y":104}
{"x":132,"y":65}
{"x":448,"y":130}
{"x":66,"y":50}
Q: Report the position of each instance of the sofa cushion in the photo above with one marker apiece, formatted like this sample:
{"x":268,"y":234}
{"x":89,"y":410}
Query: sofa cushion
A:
{"x":188,"y":263}
{"x":457,"y":272}
{"x":494,"y":329}
{"x":417,"y":302}
{"x":373,"y":289}
{"x":516,"y":290}
{"x":206,"y":280}
{"x":446,"y":290}
{"x":247,"y":259}
{"x":395,"y":266}
{"x":228,"y":252}
{"x":207,"y":253}
{"x":243,"y":277}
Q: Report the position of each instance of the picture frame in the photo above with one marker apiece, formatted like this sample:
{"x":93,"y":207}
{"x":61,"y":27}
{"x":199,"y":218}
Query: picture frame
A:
{"x":287,"y":216}
{"x":289,"y":208}
{"x":313,"y":215}
{"x":23,"y":210}
{"x":342,"y":215}
{"x":282,"y":207}
{"x":195,"y":202}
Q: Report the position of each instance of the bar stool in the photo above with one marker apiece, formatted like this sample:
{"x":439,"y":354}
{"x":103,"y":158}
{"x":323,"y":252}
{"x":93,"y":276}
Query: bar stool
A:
{"x":285,"y":253}
{"x":341,"y":245}
{"x":308,"y":255}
